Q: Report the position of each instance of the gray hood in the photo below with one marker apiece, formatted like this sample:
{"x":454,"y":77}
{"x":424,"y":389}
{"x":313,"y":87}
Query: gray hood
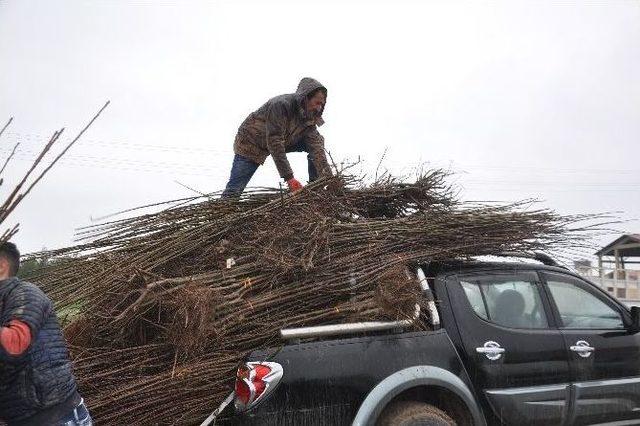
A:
{"x":306,"y":86}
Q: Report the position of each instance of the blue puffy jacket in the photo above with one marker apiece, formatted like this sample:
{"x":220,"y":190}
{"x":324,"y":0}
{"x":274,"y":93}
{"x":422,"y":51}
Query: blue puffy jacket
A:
{"x":38,"y":384}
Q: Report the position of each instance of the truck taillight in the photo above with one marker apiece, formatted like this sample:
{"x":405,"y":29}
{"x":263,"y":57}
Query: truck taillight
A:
{"x":254,"y":380}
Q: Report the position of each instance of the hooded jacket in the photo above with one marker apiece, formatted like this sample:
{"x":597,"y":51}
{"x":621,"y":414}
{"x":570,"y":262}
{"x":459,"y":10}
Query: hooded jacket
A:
{"x":278,"y":125}
{"x":38,"y":384}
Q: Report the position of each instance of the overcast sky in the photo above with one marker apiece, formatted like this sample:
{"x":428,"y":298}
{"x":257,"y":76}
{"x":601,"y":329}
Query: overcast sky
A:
{"x":522,"y":99}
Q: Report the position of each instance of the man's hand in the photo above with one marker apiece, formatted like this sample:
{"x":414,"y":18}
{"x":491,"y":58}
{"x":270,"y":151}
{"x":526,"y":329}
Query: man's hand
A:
{"x":294,"y":185}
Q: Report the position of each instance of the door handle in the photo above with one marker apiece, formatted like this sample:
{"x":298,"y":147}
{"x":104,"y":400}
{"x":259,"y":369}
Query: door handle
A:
{"x":491,"y":350}
{"x":583,"y":348}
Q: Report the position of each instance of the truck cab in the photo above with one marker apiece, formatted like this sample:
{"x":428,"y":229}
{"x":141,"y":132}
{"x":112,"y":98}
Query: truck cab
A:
{"x":506,"y":343}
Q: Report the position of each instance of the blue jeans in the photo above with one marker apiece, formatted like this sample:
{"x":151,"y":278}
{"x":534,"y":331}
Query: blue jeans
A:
{"x":242,"y":171}
{"x":78,"y":417}
{"x":311,"y":168}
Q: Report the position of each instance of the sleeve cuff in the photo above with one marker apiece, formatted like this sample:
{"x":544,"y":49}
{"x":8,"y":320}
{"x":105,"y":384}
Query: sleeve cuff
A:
{"x":15,"y":337}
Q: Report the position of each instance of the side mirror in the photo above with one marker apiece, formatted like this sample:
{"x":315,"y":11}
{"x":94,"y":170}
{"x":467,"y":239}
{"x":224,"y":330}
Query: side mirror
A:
{"x":635,"y":318}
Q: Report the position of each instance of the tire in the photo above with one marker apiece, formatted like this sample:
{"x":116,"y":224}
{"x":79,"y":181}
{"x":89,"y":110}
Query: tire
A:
{"x":413,"y":413}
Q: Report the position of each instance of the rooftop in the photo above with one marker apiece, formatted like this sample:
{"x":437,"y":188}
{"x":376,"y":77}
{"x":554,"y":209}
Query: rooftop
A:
{"x":628,"y":245}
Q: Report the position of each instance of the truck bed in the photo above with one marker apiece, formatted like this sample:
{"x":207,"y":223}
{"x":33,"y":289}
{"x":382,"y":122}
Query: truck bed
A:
{"x":340,"y":373}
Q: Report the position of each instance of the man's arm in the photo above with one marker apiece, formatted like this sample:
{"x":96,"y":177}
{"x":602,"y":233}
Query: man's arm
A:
{"x":15,"y":337}
{"x":25,"y":312}
{"x":315,"y":146}
{"x":276,"y":123}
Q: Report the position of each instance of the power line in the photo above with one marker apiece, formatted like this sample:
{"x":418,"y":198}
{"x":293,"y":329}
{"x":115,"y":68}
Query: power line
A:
{"x":128,"y":145}
{"x":202,"y":169}
{"x":196,"y":171}
{"x":27,"y":154}
{"x":149,"y":147}
{"x":517,"y":168}
{"x":120,"y":165}
{"x":538,"y":183}
{"x":189,"y":168}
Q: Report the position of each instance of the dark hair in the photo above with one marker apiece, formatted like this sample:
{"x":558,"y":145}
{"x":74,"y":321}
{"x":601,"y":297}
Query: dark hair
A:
{"x":10,"y":252}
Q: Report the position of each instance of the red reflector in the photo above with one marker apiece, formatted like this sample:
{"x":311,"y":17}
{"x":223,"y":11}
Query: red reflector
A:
{"x":243,"y":393}
{"x":259,"y":386}
{"x":261,"y":371}
{"x":254,"y":380}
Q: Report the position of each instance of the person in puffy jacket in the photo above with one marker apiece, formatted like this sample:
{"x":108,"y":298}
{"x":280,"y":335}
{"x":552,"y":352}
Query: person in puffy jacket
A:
{"x":37,"y":386}
{"x":286,"y":123}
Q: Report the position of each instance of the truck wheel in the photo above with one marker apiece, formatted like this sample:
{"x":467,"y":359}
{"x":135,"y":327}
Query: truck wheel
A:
{"x":414,"y":413}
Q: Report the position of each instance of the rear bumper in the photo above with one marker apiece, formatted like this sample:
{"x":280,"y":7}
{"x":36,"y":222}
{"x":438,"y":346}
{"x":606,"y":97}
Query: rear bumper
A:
{"x":337,"y":414}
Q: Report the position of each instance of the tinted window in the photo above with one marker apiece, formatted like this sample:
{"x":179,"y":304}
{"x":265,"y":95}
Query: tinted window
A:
{"x":511,"y":301}
{"x":578,"y":307}
{"x":472,"y":290}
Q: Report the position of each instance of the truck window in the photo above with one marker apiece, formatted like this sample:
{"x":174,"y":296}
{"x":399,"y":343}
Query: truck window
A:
{"x":510,"y":301}
{"x":578,"y":307}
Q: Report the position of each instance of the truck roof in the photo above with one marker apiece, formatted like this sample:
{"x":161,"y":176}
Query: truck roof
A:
{"x":453,"y":266}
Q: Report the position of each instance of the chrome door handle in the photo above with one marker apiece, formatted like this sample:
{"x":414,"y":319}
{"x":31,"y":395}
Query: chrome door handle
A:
{"x":491,"y":350}
{"x":582,"y":348}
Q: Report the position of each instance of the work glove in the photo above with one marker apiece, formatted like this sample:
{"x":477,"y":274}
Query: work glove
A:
{"x":294,"y":185}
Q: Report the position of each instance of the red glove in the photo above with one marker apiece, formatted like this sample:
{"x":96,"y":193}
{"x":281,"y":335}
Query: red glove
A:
{"x":294,"y":185}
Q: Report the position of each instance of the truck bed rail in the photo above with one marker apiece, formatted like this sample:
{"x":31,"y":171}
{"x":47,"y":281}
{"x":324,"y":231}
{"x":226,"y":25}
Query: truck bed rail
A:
{"x":363,"y":327}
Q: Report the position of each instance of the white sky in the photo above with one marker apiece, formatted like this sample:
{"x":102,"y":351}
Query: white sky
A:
{"x":523,"y":99}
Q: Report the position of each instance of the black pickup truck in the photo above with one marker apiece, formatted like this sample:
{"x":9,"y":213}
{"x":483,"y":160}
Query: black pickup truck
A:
{"x":509,"y":343}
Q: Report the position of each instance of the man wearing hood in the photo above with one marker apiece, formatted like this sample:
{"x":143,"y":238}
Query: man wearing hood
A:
{"x":286,"y":123}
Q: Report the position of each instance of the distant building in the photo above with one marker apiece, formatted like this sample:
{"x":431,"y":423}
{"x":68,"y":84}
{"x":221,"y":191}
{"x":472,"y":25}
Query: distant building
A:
{"x":619,"y":267}
{"x":620,"y":253}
